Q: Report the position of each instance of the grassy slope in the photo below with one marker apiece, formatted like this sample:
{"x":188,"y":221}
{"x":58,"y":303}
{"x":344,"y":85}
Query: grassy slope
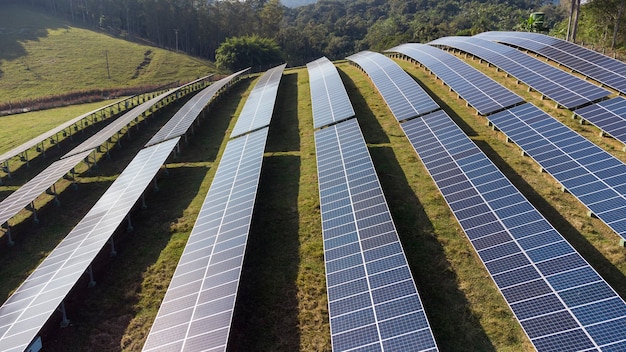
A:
{"x":282,"y":304}
{"x":42,"y":56}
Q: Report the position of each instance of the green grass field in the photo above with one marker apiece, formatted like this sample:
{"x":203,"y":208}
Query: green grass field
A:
{"x":42,"y":56}
{"x":282,"y":303}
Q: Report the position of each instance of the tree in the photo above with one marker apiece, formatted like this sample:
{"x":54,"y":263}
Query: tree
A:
{"x":250,"y":51}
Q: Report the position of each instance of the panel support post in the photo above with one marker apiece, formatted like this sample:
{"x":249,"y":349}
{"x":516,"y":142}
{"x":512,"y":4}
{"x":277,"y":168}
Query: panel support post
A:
{"x":92,"y":282}
{"x":64,"y":321}
{"x":156,"y":186}
{"x":6,"y":169}
{"x":34,"y":210}
{"x":143,"y":202}
{"x":10,"y":241}
{"x":130,"y":227}
{"x":113,"y":251}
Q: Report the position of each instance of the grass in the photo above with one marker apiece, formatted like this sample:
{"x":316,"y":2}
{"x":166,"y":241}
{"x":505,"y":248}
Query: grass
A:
{"x":282,"y":304}
{"x":43,"y":56}
{"x":19,"y":128}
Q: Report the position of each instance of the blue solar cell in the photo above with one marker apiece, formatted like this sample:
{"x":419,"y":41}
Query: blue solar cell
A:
{"x":402,"y":325}
{"x":537,"y":306}
{"x":352,"y":320}
{"x":553,"y":250}
{"x":608,"y":332}
{"x":549,"y":324}
{"x":572,"y":340}
{"x":586,"y":294}
{"x":526,"y":290}
{"x":600,"y":311}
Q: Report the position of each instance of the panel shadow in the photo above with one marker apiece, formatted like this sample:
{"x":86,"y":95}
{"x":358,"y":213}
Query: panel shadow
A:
{"x":266,"y":312}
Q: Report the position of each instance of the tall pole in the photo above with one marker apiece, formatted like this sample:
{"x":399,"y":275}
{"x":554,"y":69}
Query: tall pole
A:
{"x":106,"y":55}
{"x":176,"y":31}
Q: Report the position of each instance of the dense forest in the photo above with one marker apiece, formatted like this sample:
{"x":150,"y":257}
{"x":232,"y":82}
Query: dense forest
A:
{"x":329,"y":27}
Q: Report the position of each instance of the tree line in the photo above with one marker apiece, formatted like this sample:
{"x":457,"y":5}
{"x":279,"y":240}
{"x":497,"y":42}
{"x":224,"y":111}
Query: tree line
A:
{"x":332,"y":28}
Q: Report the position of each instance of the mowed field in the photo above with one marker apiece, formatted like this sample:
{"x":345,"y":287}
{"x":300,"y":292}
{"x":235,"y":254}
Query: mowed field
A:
{"x":282,"y":302}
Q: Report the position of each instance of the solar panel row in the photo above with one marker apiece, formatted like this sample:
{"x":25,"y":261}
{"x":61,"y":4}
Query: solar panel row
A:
{"x":599,"y":67}
{"x":565,"y":89}
{"x":608,"y":115}
{"x":34,"y":302}
{"x":373,"y":302}
{"x":329,"y":98}
{"x":180,"y":123}
{"x":26,"y":194}
{"x":594,"y":176}
{"x":260,"y":103}
{"x":116,"y":126}
{"x":481,"y":92}
{"x":52,"y":134}
{"x":197,"y":310}
{"x":558,"y":298}
{"x":405,"y":98}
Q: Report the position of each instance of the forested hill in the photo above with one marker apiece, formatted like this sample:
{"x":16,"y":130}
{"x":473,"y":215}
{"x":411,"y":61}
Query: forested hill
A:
{"x":334,"y":28}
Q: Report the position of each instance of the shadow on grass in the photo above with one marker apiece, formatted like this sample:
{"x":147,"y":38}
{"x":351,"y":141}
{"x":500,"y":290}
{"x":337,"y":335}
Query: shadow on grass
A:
{"x":372,"y":131}
{"x":266,"y":313}
{"x":453,"y":323}
{"x":22,"y":24}
{"x":284,"y":135}
{"x":605,"y":268}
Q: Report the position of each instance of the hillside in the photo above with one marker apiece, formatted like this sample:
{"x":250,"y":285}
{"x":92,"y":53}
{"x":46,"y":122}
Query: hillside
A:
{"x":41,"y":56}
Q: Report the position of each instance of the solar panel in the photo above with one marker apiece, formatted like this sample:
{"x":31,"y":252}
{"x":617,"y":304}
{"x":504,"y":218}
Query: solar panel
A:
{"x":373,"y":302}
{"x":197,"y":310}
{"x":592,"y":175}
{"x":481,"y":92}
{"x":187,"y":115}
{"x":565,"y":89}
{"x":558,"y":298}
{"x":329,"y":98}
{"x":405,"y":98}
{"x":34,"y":302}
{"x":257,"y":112}
{"x":608,"y":115}
{"x":599,"y":67}
{"x":26,"y":194}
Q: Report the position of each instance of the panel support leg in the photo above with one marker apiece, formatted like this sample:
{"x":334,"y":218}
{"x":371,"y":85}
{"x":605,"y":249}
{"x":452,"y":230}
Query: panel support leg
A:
{"x":130,"y":227}
{"x":10,"y":241}
{"x":143,"y":202}
{"x":113,"y":251}
{"x":31,"y":207}
{"x":64,"y":321}
{"x":92,"y":282}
